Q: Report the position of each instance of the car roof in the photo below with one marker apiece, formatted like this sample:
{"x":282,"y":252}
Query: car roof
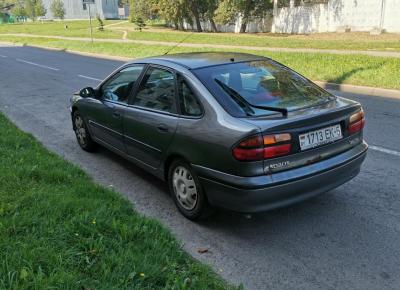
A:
{"x":196,"y":60}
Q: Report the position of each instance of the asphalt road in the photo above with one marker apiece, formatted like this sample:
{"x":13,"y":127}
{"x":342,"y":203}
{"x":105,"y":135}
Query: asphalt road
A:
{"x":348,"y":238}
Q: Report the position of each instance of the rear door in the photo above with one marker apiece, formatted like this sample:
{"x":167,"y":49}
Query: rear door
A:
{"x":105,"y":113}
{"x":150,"y":121}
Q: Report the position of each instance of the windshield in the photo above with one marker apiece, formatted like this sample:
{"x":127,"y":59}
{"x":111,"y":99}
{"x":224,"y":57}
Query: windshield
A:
{"x":262,"y":83}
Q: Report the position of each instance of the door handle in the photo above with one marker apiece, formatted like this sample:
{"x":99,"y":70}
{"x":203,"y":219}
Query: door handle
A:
{"x":116,"y":115}
{"x":162,"y":128}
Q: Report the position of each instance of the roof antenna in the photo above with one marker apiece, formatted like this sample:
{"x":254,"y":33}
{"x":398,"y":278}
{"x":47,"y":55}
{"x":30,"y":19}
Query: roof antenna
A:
{"x":179,"y":43}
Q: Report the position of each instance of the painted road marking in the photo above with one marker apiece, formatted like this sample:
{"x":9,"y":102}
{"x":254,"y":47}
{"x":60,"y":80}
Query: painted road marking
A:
{"x":36,"y":64}
{"x":384,"y":150}
{"x":3,"y":56}
{"x":89,"y":78}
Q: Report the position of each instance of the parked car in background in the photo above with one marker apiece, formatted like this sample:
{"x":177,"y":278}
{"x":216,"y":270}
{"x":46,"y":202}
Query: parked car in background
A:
{"x":229,"y":130}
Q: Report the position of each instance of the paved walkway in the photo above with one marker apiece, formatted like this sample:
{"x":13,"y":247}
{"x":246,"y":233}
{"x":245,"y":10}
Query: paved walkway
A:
{"x":223,"y":46}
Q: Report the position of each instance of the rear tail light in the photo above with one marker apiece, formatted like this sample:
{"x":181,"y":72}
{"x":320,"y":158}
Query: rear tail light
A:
{"x":356,"y":122}
{"x":259,"y":147}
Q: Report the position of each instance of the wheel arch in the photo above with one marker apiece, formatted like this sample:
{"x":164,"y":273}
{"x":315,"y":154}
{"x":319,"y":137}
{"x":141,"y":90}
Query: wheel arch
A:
{"x":168,"y":161}
{"x":73,"y":110}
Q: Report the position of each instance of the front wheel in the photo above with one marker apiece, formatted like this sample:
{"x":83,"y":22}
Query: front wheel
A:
{"x":187,"y":192}
{"x":82,"y":133}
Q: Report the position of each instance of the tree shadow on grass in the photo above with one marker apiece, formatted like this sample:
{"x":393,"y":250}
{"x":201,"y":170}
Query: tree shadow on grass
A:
{"x":342,"y":78}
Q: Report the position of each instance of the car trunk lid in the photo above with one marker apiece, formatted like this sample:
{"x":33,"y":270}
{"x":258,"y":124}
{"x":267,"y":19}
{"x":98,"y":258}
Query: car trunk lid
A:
{"x":329,"y":114}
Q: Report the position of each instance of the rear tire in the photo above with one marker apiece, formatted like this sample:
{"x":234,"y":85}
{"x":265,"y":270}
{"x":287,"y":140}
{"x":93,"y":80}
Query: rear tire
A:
{"x":82,"y":133}
{"x":186,"y":191}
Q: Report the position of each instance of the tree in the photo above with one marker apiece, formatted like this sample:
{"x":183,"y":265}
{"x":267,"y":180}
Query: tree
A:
{"x":195,"y":9}
{"x":34,"y":8}
{"x":139,"y":22}
{"x":122,"y":2}
{"x":175,"y":12}
{"x":100,"y":22}
{"x":141,"y":8}
{"x":248,"y":10}
{"x":57,"y":9}
{"x":19,"y":10}
{"x":209,"y":8}
{"x":4,"y":3}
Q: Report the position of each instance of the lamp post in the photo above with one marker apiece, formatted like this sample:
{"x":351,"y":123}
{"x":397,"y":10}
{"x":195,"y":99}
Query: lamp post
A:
{"x":382,"y":15}
{"x":88,"y":3}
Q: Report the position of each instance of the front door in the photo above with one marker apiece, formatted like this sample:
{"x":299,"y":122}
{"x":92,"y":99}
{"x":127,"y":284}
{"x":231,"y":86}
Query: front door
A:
{"x":105,"y":113}
{"x":150,"y":121}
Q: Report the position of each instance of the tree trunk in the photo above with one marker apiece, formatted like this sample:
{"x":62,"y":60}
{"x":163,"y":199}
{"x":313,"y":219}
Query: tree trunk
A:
{"x":213,"y":25}
{"x":275,"y":16}
{"x":246,"y":16}
{"x":181,"y":26}
{"x":243,"y":26}
{"x":196,"y":15}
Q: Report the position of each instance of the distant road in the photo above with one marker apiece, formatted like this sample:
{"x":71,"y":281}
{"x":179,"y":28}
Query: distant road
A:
{"x":346,"y":239}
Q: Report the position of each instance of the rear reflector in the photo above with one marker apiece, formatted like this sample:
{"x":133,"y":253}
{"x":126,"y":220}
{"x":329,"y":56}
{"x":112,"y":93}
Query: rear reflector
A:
{"x":278,"y":150}
{"x":243,"y":154}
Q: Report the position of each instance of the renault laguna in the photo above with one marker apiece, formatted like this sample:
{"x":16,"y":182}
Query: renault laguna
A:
{"x":224,"y":130}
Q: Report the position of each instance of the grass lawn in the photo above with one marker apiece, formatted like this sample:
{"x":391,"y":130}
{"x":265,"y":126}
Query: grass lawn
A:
{"x":60,"y":230}
{"x":353,"y":40}
{"x":349,"y":69}
{"x":350,"y":41}
{"x":75,"y":28}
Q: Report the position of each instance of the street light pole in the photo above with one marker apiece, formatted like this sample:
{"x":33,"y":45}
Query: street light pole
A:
{"x":382,"y":15}
{"x":90,"y":21}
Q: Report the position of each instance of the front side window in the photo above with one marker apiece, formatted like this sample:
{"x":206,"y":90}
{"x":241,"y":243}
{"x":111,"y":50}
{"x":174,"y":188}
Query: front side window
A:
{"x":119,"y":87}
{"x":157,"y":91}
{"x":265,"y":83}
{"x":188,"y":102}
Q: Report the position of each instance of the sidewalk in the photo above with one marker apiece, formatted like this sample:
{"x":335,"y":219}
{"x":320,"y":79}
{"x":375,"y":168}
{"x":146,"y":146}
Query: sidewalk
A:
{"x":203,"y":45}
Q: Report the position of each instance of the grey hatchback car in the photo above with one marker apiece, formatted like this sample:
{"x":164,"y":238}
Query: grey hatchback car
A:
{"x":228,"y":130}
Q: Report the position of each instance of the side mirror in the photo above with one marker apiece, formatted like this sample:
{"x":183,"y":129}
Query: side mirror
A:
{"x":88,"y":92}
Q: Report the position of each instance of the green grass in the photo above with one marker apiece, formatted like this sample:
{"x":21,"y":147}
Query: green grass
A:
{"x":60,"y":230}
{"x":157,"y":32}
{"x":349,"y":41}
{"x":75,"y":28}
{"x":348,"y":69}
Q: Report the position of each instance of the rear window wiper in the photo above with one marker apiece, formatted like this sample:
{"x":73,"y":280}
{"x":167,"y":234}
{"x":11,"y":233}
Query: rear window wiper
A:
{"x":238,"y":98}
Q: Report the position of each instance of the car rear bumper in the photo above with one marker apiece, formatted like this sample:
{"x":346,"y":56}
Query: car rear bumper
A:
{"x":261,"y":193}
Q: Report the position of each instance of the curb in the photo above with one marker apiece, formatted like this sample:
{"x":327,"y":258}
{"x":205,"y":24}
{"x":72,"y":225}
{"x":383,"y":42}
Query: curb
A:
{"x":353,"y":89}
{"x":362,"y":90}
{"x":90,"y":54}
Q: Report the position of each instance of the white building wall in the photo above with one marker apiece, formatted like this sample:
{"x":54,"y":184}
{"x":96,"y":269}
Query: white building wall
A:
{"x":110,"y":9}
{"x":358,"y":15}
{"x":391,"y":19}
{"x":74,"y":9}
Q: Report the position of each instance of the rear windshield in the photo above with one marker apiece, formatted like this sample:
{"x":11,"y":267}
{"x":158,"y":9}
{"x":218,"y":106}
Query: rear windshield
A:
{"x":266,"y":83}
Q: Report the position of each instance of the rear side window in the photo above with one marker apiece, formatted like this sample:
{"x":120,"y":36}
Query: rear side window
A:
{"x":157,"y":91}
{"x":261,"y":83}
{"x":188,"y":102}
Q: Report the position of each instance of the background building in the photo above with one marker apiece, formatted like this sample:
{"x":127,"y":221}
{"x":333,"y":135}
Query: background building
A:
{"x":337,"y":15}
{"x":75,"y":9}
{"x":313,"y":16}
